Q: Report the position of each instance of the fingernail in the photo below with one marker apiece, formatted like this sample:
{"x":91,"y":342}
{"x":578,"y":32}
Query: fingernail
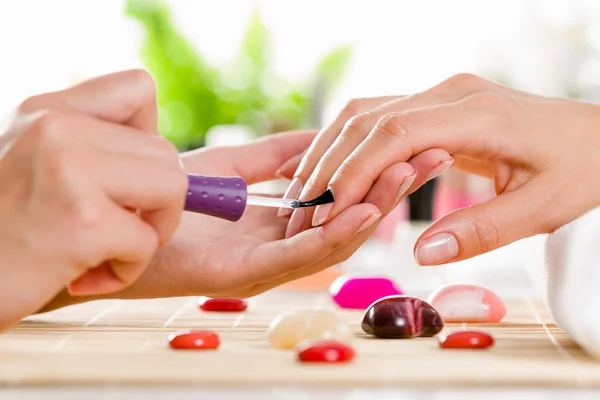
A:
{"x":437,"y":249}
{"x":368,"y":222}
{"x":292,"y":162}
{"x":292,"y":192}
{"x":438,"y":169}
{"x":408,"y":181}
{"x":296,"y":222}
{"x":321,"y":213}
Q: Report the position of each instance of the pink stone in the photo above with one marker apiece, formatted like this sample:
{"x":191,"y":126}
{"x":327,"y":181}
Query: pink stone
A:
{"x":467,"y":303}
{"x":359,"y":292}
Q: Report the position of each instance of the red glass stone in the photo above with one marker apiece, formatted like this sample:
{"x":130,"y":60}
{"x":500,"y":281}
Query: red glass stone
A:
{"x":223,"y":305}
{"x":194,"y":339}
{"x":466,"y":340}
{"x":328,"y":351}
{"x":401,"y":317}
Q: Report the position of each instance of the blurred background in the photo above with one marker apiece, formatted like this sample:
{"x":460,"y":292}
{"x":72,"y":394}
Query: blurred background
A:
{"x":228,"y":71}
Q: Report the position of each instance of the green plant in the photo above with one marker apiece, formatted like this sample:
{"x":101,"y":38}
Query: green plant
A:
{"x":194,"y":96}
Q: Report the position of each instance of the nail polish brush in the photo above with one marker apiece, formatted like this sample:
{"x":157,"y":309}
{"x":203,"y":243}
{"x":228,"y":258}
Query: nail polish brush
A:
{"x":227,"y":197}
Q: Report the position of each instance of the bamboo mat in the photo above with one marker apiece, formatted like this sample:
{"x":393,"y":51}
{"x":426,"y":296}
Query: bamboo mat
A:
{"x":125,"y":343}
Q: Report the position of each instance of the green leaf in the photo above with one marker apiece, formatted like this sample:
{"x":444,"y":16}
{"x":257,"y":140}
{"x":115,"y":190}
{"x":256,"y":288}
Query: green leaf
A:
{"x":331,"y":68}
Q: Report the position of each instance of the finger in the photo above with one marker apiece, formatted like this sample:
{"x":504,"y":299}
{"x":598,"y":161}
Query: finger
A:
{"x":125,"y":248}
{"x":308,"y":247}
{"x":399,"y":136}
{"x":109,"y":137}
{"x":478,"y":229}
{"x":157,"y":190}
{"x":125,"y":97}
{"x":392,"y":186}
{"x":428,"y":164}
{"x":289,"y":167}
{"x":325,"y":139}
{"x":357,"y":130}
{"x":135,"y":170}
{"x":474,"y":166}
{"x":256,"y":162}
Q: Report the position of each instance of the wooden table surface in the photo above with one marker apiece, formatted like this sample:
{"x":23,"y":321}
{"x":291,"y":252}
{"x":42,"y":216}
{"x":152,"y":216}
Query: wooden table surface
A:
{"x":125,"y":343}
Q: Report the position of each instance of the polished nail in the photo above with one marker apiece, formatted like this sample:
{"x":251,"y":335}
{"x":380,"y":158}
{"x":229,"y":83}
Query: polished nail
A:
{"x":321,"y":213}
{"x":406,"y":184}
{"x":437,"y":249}
{"x":296,"y":223}
{"x":438,"y":169}
{"x":292,"y":192}
{"x":368,"y":222}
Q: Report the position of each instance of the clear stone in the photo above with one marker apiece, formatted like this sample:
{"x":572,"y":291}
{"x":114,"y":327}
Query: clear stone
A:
{"x":292,"y":327}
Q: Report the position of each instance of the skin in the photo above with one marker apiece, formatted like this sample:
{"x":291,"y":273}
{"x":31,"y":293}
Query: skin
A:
{"x":541,"y":153}
{"x":91,"y":200}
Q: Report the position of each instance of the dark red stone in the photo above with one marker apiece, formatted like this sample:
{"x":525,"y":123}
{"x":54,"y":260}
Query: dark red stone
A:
{"x":466,"y":340}
{"x":328,"y":351}
{"x":223,"y":305}
{"x":401,"y":317}
{"x":194,"y":339}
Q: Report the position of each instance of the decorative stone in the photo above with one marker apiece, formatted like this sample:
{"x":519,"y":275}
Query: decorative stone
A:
{"x":326,"y":351}
{"x":290,"y":328}
{"x":466,"y":340}
{"x":467,"y":303}
{"x":401,"y":317}
{"x":359,"y":292}
{"x":194,"y":340}
{"x":226,"y":305}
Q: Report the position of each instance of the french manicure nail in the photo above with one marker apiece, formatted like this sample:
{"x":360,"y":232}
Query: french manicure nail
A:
{"x":438,"y":169}
{"x":408,"y":181}
{"x":437,"y":249}
{"x":321,"y":213}
{"x":296,"y":223}
{"x":292,"y":192}
{"x":368,"y":222}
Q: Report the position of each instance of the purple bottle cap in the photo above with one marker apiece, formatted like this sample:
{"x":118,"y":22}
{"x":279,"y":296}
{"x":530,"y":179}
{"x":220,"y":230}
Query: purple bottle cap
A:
{"x":221,"y":197}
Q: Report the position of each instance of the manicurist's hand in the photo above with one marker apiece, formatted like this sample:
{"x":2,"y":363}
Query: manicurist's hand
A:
{"x":216,"y":258}
{"x":75,"y":168}
{"x":542,"y":154}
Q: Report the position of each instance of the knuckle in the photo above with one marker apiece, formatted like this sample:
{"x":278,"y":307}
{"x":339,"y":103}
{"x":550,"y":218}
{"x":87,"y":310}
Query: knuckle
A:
{"x":47,"y":126}
{"x":462,"y":79}
{"x":351,"y":108}
{"x":33,"y":103}
{"x":144,"y":79}
{"x":164,"y":149}
{"x":167,"y":148}
{"x":486,"y":232}
{"x":394,"y":125}
{"x":487,"y":100}
{"x":359,"y":123}
{"x":86,"y":215}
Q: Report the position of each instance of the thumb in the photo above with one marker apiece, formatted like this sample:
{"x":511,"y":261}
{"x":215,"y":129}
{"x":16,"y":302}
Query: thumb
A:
{"x":257,"y":161}
{"x":125,"y":97}
{"x":478,"y":229}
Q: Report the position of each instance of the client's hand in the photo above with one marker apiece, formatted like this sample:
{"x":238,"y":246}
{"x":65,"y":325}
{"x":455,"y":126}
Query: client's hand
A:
{"x":542,"y":154}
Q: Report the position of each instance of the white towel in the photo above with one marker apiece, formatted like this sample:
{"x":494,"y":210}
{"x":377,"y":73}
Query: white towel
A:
{"x":572,"y":264}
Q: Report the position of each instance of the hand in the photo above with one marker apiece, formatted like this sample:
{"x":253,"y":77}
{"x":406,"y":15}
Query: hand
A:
{"x":75,"y":167}
{"x":216,"y":258}
{"x":542,"y":154}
